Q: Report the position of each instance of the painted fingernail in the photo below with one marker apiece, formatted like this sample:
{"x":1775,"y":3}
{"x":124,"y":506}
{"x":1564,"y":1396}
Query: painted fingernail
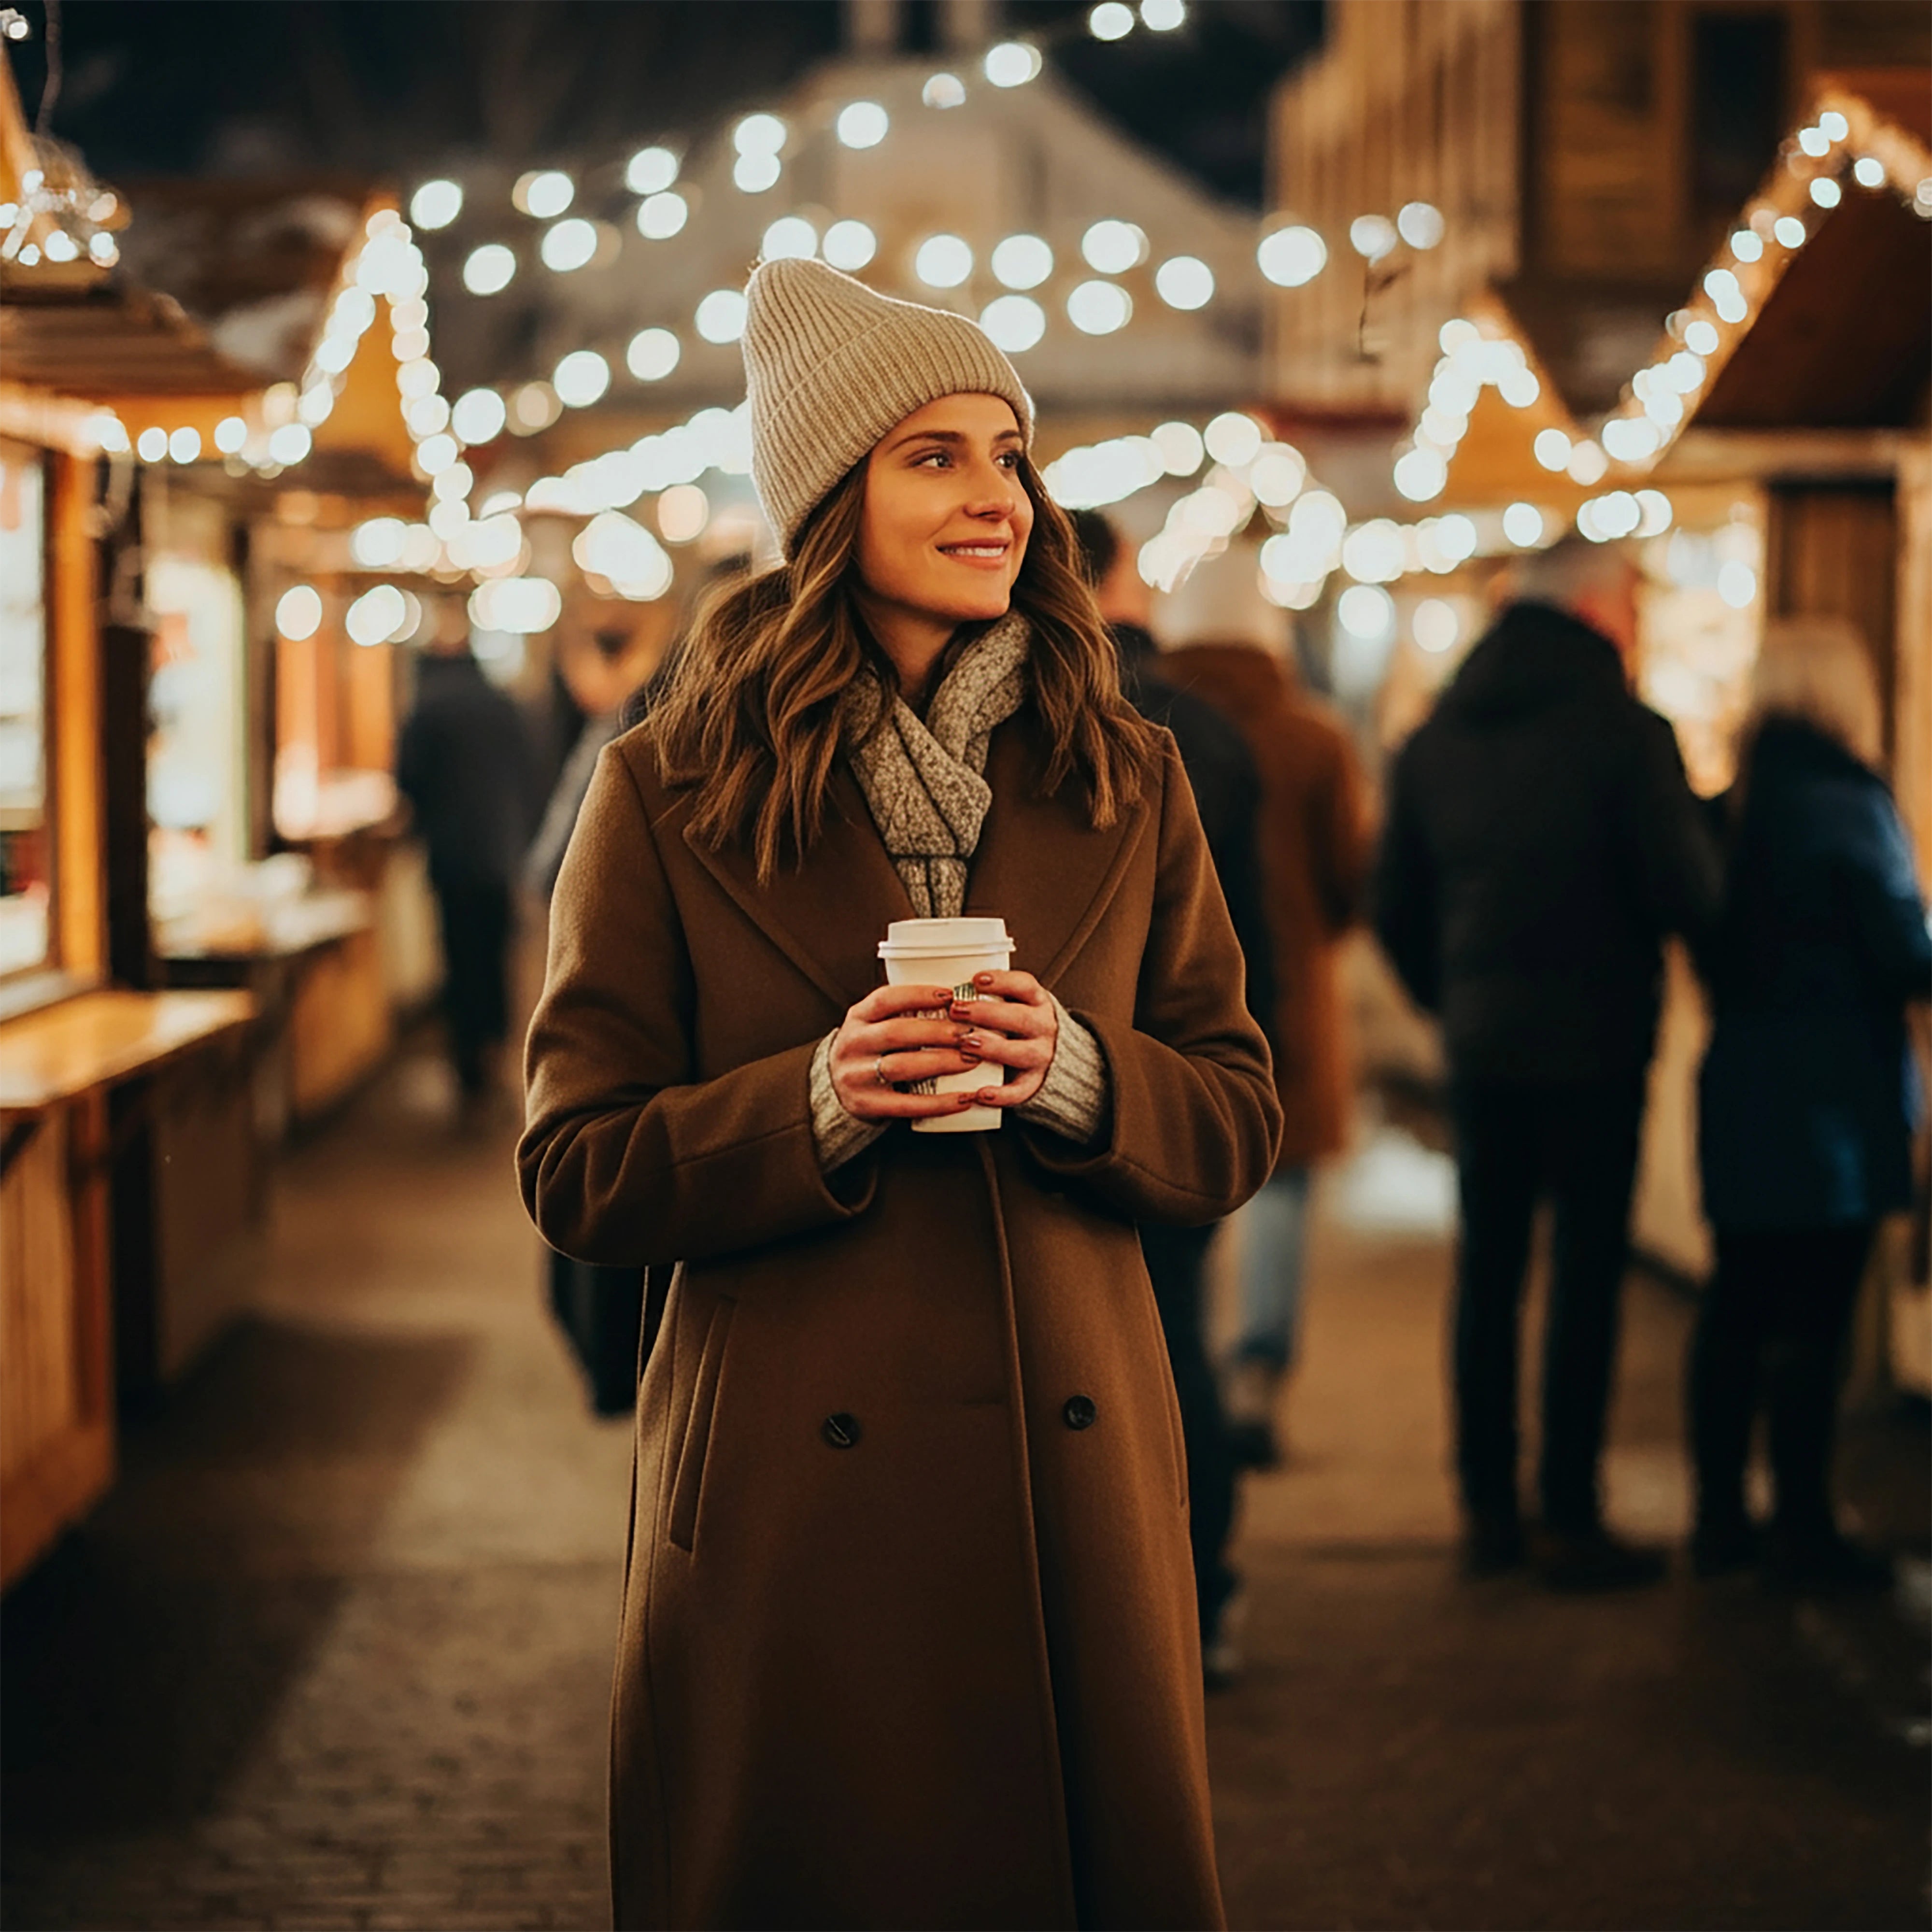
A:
{"x":982,"y":978}
{"x":970,"y":1042}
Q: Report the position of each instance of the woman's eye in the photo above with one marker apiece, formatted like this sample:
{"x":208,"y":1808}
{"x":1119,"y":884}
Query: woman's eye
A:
{"x":1009,"y":459}
{"x":937,"y":456}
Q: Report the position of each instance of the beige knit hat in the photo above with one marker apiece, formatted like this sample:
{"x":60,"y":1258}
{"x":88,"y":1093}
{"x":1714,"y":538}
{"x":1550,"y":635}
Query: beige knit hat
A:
{"x":830,"y":367}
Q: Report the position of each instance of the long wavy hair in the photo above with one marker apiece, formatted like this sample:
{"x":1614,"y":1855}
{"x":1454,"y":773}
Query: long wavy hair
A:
{"x":750,"y":718}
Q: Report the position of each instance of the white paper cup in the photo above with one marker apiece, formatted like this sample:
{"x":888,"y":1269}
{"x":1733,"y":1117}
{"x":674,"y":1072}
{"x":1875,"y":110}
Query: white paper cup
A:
{"x":948,"y":953}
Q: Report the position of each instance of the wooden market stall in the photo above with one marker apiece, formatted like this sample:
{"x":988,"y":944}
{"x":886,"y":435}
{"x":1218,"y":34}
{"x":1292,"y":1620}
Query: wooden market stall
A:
{"x":93,"y":1077}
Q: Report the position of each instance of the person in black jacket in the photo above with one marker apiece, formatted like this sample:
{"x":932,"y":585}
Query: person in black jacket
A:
{"x":463,"y":761}
{"x":1809,"y":1097}
{"x":1227,"y":789}
{"x":1540,"y":842}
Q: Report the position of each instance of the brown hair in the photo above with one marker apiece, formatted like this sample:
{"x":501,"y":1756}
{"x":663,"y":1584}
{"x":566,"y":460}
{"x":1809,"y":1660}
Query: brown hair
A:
{"x":1818,"y":669}
{"x":751,"y":719}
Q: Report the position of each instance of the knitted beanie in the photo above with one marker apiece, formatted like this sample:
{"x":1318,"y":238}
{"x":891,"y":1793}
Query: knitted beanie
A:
{"x":830,"y":368}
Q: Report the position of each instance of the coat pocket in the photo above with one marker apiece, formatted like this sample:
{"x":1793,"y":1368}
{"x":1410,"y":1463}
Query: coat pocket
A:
{"x":688,"y":1483}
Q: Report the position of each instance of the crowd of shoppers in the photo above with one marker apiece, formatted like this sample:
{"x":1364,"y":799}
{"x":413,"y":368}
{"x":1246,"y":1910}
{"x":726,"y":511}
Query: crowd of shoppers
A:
{"x":1541,"y":843}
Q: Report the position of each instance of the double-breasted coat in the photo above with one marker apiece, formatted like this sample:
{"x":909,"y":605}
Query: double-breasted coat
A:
{"x":908,"y":1635}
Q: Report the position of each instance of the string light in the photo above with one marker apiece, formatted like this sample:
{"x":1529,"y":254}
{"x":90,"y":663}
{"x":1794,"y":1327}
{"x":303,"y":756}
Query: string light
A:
{"x":1111,"y":21}
{"x":1022,"y":262}
{"x":1372,"y":236}
{"x":581,"y":378}
{"x":489,"y":270}
{"x":1112,"y":247}
{"x":1011,"y":64}
{"x":652,"y":355}
{"x":661,"y":215}
{"x":435,"y":204}
{"x":1184,"y":282}
{"x":849,"y":245}
{"x":1099,"y":308}
{"x":1420,"y":224}
{"x":1290,"y":257}
{"x":543,"y":192}
{"x":790,"y":238}
{"x":863,"y":124}
{"x":568,"y":246}
{"x":650,"y":170}
{"x":942,"y":261}
{"x":720,"y":316}
{"x":1015,"y":323}
{"x":1162,"y":16}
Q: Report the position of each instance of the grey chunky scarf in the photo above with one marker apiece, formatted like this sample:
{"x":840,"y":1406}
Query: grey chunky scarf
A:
{"x":924,"y":778}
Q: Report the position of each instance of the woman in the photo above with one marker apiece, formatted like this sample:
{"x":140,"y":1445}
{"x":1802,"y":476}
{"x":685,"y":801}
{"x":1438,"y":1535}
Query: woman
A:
{"x":908,"y":1637}
{"x":1808,"y":1097}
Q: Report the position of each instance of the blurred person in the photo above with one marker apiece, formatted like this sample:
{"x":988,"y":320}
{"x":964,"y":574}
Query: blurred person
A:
{"x":1228,"y":793}
{"x":1808,"y":1095}
{"x":909,"y":1634}
{"x":464,"y":763}
{"x":1315,"y":850}
{"x":599,"y":1310}
{"x":1541,"y":841}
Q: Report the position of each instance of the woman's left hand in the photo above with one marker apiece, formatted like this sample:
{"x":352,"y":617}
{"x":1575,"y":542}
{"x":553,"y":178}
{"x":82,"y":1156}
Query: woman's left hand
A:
{"x":1017,"y":1026}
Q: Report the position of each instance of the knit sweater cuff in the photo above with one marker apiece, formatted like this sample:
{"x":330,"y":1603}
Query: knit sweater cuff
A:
{"x":837,"y":1134}
{"x":1072,"y":1100}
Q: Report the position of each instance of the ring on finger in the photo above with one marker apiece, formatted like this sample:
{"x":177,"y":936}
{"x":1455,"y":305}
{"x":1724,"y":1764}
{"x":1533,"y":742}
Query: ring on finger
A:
{"x":879,"y":1073}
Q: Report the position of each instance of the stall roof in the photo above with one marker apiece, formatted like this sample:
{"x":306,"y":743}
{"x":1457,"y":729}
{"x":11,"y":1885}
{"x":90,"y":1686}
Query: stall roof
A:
{"x":1844,"y":339}
{"x":108,"y":341}
{"x":253,"y":262}
{"x":1816,"y":312}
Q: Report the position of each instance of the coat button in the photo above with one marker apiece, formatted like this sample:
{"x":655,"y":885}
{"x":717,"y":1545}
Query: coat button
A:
{"x":841,"y":1430}
{"x":1079,"y":1412}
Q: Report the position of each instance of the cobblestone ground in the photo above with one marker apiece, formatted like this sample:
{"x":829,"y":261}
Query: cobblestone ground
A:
{"x":336,"y":1651}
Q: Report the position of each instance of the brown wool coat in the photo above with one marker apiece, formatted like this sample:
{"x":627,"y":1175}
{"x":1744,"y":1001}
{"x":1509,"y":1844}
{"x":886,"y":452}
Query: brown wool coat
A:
{"x":948,"y":1674}
{"x":1314,"y":848}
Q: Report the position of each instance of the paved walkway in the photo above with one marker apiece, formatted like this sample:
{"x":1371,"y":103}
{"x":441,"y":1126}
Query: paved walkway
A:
{"x":336,"y":1651}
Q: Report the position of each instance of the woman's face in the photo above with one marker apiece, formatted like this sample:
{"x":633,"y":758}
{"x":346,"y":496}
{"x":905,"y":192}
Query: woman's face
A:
{"x":946,"y":518}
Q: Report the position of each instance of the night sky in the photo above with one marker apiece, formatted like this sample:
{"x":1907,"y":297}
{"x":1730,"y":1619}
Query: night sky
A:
{"x":399,"y":88}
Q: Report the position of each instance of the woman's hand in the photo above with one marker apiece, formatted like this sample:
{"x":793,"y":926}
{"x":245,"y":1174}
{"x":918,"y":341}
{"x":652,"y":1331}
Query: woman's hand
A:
{"x":880,"y":1046}
{"x":1014,"y":1024}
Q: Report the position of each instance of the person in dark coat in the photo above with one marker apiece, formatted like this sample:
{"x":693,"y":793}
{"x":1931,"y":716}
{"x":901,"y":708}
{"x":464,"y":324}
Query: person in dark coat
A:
{"x":600,"y":1310}
{"x":1227,"y":789}
{"x":463,"y":761}
{"x":1809,"y":1096}
{"x":1541,"y":841}
{"x":1314,"y":846}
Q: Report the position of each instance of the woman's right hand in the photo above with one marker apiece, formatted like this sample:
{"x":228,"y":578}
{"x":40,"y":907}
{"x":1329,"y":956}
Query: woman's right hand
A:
{"x":879,"y":1047}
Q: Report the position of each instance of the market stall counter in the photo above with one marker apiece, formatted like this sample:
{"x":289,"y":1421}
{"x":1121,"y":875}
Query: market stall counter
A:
{"x":66,"y":1072}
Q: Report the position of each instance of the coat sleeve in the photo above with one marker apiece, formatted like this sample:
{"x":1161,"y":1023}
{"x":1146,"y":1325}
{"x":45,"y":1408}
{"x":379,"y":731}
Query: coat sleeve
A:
{"x":626,"y":1157}
{"x":1403,"y":897}
{"x":1675,"y":857}
{"x":1880,"y":893}
{"x":1193,"y":1122}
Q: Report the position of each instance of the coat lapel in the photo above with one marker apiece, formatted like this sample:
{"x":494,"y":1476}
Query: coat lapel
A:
{"x":1040,"y":865}
{"x":828,"y":916}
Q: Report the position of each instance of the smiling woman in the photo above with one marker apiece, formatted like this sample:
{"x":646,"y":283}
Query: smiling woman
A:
{"x":909,"y":1497}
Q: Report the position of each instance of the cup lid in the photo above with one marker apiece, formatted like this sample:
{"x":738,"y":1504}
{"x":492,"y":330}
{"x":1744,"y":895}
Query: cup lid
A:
{"x":946,"y":935}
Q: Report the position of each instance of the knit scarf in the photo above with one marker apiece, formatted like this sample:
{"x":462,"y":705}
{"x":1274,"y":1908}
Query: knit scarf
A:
{"x":924,"y":778}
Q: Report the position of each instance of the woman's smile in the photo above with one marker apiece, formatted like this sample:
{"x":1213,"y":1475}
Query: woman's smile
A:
{"x":981,"y":552}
